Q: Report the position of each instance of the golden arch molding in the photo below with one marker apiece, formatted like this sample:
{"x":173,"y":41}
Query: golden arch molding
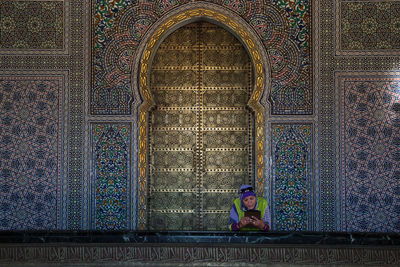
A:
{"x":141,"y":73}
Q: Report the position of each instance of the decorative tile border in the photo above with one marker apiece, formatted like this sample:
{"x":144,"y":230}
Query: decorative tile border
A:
{"x":78,"y":65}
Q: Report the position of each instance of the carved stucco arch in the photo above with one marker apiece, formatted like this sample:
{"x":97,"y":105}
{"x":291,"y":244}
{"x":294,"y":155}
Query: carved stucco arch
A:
{"x":141,"y":73}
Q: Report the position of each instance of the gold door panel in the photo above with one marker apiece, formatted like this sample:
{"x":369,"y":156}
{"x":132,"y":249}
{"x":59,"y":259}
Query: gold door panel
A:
{"x":227,"y":98}
{"x":233,"y":58}
{"x":175,"y":59}
{"x":173,"y":119}
{"x":173,"y":200}
{"x":216,"y":36}
{"x":200,"y":131}
{"x":184,"y":179}
{"x":176,"y":98}
{"x":164,"y":78}
{"x":222,"y":180}
{"x":168,"y":139}
{"x":226,"y":78}
{"x":225,"y":118}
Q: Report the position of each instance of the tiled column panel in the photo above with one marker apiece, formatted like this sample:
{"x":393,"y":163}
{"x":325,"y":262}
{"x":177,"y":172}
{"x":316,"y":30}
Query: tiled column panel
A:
{"x":291,"y":176}
{"x":111,"y":154}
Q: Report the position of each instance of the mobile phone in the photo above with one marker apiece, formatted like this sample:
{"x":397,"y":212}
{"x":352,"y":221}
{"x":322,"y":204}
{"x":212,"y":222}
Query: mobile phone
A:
{"x":255,"y":213}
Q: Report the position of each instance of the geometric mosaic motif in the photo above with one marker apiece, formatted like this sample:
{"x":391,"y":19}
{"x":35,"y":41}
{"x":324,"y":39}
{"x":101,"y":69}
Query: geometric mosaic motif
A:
{"x":292,"y":170}
{"x":111,"y":145}
{"x":369,"y":25}
{"x":31,"y":24}
{"x":30,"y":152}
{"x":283,"y":26}
{"x":370,"y":124}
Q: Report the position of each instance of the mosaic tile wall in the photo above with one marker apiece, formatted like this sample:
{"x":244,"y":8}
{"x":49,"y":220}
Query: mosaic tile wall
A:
{"x":31,"y":152}
{"x":370,"y":153}
{"x":86,"y":59}
{"x":372,"y":26}
{"x":350,"y":181}
{"x":31,"y":24}
{"x":61,"y":51}
{"x":34,"y":27}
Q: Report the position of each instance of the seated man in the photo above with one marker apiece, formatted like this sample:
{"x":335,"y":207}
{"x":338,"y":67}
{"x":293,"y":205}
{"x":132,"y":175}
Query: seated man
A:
{"x":248,"y":201}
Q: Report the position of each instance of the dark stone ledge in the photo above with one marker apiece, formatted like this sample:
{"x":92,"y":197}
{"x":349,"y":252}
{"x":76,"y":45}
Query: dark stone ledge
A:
{"x":104,"y":249}
{"x":203,"y":237}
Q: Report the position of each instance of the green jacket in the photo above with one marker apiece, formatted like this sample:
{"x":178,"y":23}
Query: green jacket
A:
{"x":237,"y":213}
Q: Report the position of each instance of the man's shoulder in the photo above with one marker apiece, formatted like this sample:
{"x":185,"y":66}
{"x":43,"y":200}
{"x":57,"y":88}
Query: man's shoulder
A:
{"x":261,"y":199}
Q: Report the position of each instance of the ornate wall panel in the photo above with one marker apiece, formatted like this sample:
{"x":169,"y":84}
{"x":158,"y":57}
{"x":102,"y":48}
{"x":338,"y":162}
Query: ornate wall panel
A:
{"x":111,"y":155}
{"x":50,"y":38}
{"x":370,"y":151}
{"x":32,"y":143}
{"x":201,"y":133}
{"x":367,"y":27}
{"x":34,"y":27}
{"x":364,"y":62}
{"x":120,"y":26}
{"x":61,"y":51}
{"x":292,"y":171}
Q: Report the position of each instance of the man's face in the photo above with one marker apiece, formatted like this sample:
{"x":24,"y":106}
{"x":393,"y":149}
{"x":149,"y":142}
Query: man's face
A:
{"x":249,"y":202}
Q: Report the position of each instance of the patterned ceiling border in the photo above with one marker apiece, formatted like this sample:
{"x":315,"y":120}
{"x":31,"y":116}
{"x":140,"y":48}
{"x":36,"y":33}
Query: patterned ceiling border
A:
{"x":176,"y":19}
{"x":368,"y":32}
{"x":35,"y":24}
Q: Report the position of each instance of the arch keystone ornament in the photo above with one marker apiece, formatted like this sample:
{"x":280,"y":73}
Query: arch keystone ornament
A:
{"x":164,"y":26}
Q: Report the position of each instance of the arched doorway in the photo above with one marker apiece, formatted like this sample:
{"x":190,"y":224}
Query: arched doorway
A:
{"x":201,"y":131}
{"x":143,"y":100}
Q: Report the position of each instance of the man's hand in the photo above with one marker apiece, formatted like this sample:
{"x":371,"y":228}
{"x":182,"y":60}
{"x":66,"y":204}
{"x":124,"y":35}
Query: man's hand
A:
{"x":245,"y":221}
{"x":257,"y":223}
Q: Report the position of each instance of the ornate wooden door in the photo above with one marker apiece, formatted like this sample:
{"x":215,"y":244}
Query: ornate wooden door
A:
{"x":201,"y":130}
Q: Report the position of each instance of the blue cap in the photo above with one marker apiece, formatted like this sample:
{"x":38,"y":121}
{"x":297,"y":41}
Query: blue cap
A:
{"x":245,"y":191}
